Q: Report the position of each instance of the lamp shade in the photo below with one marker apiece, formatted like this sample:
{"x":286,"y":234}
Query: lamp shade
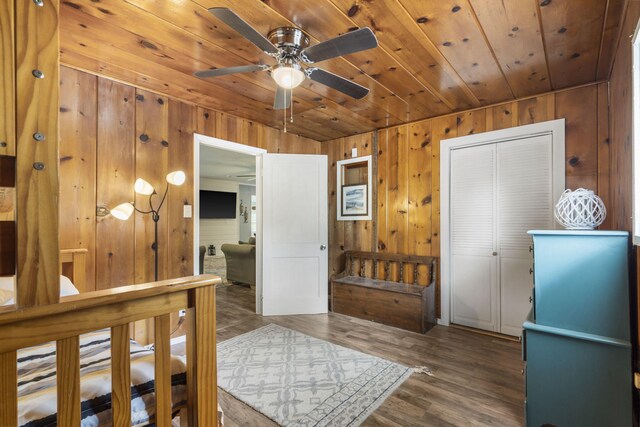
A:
{"x":176,"y":178}
{"x":123,"y":211}
{"x":143,"y":187}
{"x":287,"y":76}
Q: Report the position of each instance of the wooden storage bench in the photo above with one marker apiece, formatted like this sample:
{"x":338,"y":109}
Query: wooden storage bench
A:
{"x":396,"y":290}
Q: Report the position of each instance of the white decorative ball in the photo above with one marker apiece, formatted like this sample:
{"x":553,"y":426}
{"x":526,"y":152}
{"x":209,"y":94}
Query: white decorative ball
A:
{"x":580,"y":210}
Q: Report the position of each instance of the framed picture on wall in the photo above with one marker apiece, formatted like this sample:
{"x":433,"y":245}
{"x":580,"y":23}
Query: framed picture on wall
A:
{"x":353,"y":189}
{"x":354,"y":200}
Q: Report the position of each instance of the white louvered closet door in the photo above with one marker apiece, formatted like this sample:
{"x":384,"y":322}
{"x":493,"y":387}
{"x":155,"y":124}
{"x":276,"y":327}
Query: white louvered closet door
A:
{"x":474,"y":284}
{"x":498,"y":191}
{"x":525,"y":202}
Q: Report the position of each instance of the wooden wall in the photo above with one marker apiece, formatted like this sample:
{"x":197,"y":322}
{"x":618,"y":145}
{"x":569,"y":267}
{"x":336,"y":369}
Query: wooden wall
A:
{"x":408,"y":167}
{"x":112,"y":134}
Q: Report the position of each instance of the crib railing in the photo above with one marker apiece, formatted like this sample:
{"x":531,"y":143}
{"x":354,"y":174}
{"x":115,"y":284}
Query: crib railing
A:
{"x":116,"y":309}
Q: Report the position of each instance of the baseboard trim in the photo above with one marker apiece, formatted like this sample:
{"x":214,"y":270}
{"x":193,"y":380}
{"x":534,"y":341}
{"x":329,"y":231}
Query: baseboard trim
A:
{"x":483,"y":332}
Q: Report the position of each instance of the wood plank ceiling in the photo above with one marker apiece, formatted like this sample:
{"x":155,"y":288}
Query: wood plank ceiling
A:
{"x":434,"y":57}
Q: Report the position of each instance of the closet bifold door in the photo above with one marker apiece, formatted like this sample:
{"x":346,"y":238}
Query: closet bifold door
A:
{"x":525,"y":202}
{"x":474,"y":281}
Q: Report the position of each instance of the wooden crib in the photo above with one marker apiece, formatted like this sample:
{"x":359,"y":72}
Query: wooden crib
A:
{"x":116,"y":309}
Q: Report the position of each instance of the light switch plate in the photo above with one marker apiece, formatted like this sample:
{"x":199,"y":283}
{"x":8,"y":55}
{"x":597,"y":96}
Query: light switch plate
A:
{"x":187,"y":211}
{"x":354,"y":152}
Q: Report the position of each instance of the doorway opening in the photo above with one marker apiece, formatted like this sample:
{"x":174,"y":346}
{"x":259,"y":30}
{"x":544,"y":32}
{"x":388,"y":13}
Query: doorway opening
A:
{"x":228,"y":212}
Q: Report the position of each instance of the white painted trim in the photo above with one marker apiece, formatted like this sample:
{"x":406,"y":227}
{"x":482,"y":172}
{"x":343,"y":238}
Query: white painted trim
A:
{"x":238,"y":148}
{"x":259,"y":234}
{"x":554,"y":127}
{"x":340,"y":182}
{"x":635,"y":141}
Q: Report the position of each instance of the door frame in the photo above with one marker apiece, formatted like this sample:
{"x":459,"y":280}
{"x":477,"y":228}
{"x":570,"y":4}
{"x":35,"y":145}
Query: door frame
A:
{"x":555,"y":128}
{"x":222,"y":144}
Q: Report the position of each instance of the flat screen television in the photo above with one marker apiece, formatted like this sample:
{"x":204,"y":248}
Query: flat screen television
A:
{"x":217,"y":204}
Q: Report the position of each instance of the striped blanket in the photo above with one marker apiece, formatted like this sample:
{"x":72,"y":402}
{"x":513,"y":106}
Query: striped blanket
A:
{"x":37,"y":383}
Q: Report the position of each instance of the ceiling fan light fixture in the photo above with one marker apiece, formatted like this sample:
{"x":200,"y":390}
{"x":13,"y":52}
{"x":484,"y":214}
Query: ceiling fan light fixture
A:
{"x":287,"y":76}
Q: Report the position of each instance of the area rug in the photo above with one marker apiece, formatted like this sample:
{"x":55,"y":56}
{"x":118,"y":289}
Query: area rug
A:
{"x":297,"y":380}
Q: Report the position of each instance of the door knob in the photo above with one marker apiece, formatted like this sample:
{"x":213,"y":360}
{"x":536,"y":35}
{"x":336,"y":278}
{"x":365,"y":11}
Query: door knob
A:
{"x":530,"y":299}
{"x":494,"y":253}
{"x":323,"y":247}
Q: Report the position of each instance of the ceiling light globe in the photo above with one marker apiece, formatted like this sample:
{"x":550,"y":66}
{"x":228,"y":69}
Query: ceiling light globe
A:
{"x":288,"y":76}
{"x":176,"y":178}
{"x":143,"y":187}
{"x":123,"y":211}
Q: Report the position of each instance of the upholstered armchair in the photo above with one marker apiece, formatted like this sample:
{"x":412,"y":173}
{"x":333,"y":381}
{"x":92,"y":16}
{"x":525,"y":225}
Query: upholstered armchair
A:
{"x":241,"y":262}
{"x":203,"y":249}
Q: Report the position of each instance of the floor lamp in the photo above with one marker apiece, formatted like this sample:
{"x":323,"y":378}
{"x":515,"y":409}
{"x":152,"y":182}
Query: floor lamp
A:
{"x":123,"y":211}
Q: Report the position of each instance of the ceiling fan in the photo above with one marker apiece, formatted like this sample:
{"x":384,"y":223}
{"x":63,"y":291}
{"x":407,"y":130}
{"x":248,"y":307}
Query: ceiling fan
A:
{"x":290,"y":47}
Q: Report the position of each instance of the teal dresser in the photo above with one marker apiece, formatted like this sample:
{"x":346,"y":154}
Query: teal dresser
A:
{"x":576,"y":341}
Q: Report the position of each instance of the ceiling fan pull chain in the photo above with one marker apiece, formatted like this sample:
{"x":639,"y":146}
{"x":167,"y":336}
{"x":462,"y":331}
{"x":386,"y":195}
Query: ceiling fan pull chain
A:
{"x":291,"y":104}
{"x":284,"y":121}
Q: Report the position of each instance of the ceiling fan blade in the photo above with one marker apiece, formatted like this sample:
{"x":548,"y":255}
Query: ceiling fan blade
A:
{"x":229,"y":70}
{"x":283,"y":99}
{"x":354,"y":41}
{"x":336,"y":82}
{"x":244,"y":29}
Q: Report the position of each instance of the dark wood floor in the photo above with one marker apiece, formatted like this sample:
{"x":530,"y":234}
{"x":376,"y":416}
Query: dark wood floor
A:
{"x":477,"y":378}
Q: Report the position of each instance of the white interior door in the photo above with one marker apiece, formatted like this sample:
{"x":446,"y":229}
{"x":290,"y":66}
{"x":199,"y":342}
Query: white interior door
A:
{"x":295,"y":234}
{"x":474,"y":280}
{"x":525,"y":202}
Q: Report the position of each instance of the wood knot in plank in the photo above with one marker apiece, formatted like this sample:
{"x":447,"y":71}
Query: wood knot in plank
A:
{"x":353,"y":11}
{"x":148,"y":45}
{"x":73,"y":5}
{"x":374,"y":27}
